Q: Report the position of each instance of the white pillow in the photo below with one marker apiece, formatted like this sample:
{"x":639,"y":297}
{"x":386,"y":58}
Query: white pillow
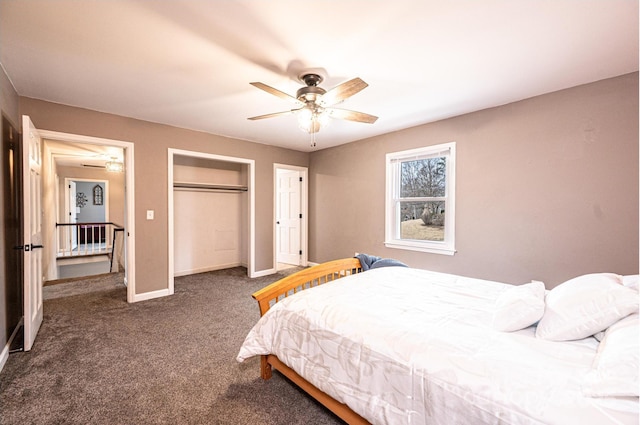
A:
{"x":585,"y":305}
{"x":630,"y":281}
{"x":519,"y":307}
{"x":615,"y":368}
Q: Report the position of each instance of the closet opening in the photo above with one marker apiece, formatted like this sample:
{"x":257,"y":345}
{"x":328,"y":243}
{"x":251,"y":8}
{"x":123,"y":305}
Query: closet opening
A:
{"x":210,"y":213}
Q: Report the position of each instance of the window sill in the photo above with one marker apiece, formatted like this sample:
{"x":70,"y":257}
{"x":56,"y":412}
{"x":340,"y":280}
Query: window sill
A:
{"x":416,"y":246}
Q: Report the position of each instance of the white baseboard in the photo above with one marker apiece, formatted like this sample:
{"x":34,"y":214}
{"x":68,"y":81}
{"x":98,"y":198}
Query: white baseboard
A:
{"x":151,"y":295}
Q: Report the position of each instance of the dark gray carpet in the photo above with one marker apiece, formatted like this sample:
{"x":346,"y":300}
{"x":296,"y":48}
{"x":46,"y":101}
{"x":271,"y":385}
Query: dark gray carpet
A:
{"x":99,"y":360}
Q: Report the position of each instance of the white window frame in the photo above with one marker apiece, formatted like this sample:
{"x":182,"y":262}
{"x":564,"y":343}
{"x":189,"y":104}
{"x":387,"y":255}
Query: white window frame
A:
{"x":392,"y":197}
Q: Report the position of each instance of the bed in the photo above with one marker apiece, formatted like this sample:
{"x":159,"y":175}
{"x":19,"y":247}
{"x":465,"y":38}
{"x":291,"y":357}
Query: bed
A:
{"x":397,"y":345}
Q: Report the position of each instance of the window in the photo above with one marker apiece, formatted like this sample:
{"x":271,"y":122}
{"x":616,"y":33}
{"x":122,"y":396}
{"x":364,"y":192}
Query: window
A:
{"x":420,"y":199}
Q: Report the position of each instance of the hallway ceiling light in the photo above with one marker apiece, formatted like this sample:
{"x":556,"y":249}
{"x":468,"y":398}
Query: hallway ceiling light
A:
{"x":114,"y":166}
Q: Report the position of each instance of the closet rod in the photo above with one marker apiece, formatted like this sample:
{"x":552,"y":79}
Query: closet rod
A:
{"x":211,"y":187}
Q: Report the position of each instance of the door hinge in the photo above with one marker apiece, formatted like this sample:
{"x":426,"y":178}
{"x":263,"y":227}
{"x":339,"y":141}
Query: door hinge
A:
{"x":300,"y":178}
{"x":300,"y":252}
{"x":301,"y":215}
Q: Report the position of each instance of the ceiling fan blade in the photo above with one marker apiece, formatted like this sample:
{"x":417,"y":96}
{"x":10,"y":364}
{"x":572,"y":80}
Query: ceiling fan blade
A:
{"x":275,"y":114}
{"x":276,"y":92}
{"x":345,"y":114}
{"x":342,"y":91}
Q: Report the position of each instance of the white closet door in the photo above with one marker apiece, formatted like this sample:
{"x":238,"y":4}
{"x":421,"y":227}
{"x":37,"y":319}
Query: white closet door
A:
{"x":288,"y":217}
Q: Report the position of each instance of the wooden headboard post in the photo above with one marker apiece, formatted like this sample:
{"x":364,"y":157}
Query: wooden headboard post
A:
{"x":305,"y":279}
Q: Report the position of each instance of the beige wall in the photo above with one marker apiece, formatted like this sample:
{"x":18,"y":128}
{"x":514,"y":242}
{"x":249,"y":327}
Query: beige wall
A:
{"x":547,"y":188}
{"x":151,"y":142}
{"x":9,"y":100}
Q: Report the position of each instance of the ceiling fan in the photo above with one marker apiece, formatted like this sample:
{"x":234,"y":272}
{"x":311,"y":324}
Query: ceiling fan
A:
{"x":315,"y":104}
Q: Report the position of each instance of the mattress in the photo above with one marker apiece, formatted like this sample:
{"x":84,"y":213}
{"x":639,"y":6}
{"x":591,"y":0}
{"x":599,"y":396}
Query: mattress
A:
{"x":409,"y":346}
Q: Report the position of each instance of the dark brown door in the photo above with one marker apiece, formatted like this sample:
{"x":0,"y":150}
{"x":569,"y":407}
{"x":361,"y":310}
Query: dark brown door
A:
{"x":12,"y":209}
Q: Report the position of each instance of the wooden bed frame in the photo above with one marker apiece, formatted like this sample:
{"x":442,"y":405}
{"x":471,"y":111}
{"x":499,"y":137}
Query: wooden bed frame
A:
{"x":306,"y":279}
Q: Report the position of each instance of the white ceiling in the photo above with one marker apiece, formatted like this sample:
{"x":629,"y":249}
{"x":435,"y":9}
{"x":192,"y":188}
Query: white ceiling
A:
{"x":189,"y":63}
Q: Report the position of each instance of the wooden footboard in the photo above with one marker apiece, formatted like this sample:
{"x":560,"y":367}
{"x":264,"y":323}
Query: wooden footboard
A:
{"x":305,"y":279}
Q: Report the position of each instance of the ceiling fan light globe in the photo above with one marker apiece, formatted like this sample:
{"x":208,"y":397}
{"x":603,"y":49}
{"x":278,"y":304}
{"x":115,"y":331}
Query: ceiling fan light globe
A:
{"x":304,"y":116}
{"x":313,"y":126}
{"x":324,"y":118}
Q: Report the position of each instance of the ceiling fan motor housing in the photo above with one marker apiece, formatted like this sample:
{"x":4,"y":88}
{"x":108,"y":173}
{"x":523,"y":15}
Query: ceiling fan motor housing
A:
{"x":311,"y":92}
{"x":311,"y":79}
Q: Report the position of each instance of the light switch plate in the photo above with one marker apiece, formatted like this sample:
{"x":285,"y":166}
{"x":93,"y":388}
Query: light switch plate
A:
{"x":149,"y":214}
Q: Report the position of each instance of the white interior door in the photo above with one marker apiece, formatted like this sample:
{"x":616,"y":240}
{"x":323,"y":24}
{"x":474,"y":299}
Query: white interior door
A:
{"x":70,"y":232}
{"x":32,"y":222}
{"x":288,"y":218}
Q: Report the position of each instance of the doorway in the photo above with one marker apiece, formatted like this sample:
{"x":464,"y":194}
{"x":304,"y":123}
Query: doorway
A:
{"x":13,"y":261}
{"x":290,"y":194}
{"x":66,"y":150}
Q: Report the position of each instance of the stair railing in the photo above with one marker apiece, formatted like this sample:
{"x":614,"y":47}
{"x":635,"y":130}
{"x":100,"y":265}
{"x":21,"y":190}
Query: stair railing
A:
{"x":86,"y":239}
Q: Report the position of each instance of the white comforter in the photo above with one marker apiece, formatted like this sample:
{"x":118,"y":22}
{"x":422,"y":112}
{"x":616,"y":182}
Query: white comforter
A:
{"x":408,"y":346}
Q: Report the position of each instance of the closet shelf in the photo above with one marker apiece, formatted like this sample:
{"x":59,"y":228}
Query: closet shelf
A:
{"x":209,"y":186}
